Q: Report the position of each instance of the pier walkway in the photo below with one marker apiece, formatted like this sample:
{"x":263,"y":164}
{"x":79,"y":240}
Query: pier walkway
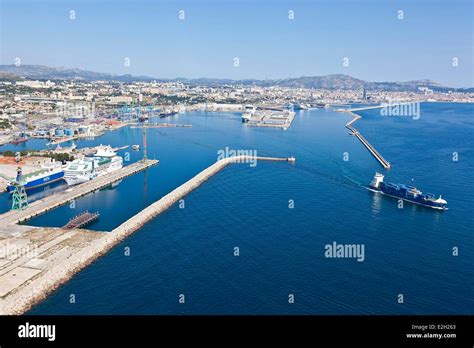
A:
{"x":162,"y":125}
{"x":364,"y":141}
{"x":366,"y":108}
{"x":55,"y":200}
{"x":362,"y":108}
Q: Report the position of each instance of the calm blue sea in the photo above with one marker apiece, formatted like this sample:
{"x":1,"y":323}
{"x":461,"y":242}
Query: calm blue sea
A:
{"x":190,"y":251}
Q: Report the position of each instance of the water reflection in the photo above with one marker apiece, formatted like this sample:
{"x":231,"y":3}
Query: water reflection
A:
{"x":376,"y":202}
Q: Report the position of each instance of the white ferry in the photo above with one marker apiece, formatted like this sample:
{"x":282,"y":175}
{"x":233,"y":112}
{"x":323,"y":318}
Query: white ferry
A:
{"x":103,"y":162}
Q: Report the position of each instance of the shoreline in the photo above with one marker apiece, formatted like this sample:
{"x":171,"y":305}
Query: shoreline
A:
{"x":29,"y":293}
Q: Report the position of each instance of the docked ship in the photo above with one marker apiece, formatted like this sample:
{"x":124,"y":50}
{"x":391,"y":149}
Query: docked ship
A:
{"x":104,"y":161}
{"x":21,"y":138}
{"x":407,"y":193}
{"x":48,"y":174}
{"x":298,"y":106}
{"x":249,"y":111}
{"x":323,"y":105}
{"x":168,"y":112}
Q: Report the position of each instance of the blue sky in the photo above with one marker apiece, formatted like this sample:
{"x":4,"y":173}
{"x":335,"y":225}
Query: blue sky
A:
{"x":380,"y":47}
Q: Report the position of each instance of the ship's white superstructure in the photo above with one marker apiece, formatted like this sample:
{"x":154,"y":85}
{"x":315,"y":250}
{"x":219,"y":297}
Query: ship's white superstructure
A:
{"x":81,"y":170}
{"x":248,"y":112}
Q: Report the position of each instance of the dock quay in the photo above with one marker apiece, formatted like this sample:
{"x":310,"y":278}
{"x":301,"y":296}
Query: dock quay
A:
{"x":267,"y":118}
{"x":60,"y":140}
{"x":34,"y":261}
{"x":55,"y":200}
{"x":364,"y":141}
{"x":162,"y":125}
{"x":365,"y":108}
{"x":153,"y":210}
{"x":63,"y":140}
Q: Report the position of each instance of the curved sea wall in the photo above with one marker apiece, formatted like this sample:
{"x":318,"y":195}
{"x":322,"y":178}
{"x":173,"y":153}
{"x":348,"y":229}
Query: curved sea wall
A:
{"x":165,"y":202}
{"x":364,"y":141}
{"x":36,"y":289}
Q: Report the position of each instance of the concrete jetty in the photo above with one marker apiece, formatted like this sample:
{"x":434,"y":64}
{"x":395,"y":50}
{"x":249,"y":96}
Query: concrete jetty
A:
{"x":162,"y":125}
{"x":366,"y":108}
{"x":168,"y":200}
{"x":34,"y":261}
{"x":55,"y":200}
{"x":364,"y":141}
{"x":267,"y":118}
{"x":63,"y":140}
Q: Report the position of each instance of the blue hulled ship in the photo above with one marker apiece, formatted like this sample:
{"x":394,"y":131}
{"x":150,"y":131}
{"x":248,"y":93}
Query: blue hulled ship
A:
{"x":45,"y":176}
{"x":407,"y":193}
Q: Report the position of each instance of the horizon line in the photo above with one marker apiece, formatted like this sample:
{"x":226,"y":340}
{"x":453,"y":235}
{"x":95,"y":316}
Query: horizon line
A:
{"x":231,"y":79}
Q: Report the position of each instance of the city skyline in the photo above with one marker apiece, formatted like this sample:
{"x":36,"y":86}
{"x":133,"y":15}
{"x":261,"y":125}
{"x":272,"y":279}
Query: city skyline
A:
{"x":241,"y":40}
{"x":32,"y":71}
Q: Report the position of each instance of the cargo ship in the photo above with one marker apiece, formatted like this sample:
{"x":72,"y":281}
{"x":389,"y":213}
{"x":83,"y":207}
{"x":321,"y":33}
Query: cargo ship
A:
{"x":407,"y":193}
{"x":46,"y":175}
{"x":168,"y":112}
{"x":298,"y":106}
{"x":21,"y":138}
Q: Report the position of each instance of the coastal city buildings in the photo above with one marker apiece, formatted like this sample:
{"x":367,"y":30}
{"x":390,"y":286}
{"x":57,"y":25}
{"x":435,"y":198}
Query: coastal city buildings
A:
{"x":86,"y":107}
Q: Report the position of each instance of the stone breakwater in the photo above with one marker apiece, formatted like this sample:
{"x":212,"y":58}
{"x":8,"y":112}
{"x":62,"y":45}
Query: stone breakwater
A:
{"x":165,"y":202}
{"x":356,"y":133}
{"x":61,"y":254}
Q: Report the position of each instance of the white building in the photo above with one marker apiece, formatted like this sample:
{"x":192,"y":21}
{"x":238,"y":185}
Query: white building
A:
{"x":35,"y":84}
{"x":120,"y":99}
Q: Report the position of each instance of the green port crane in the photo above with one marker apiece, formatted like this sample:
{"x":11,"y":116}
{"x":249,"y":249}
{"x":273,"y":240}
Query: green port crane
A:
{"x":19,"y":196}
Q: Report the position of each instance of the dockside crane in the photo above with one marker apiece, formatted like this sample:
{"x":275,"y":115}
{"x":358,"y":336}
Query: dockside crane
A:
{"x":19,"y":196}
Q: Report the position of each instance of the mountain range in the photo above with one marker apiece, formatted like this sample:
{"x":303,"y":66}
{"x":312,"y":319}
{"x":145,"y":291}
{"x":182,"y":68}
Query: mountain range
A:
{"x":334,"y":81}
